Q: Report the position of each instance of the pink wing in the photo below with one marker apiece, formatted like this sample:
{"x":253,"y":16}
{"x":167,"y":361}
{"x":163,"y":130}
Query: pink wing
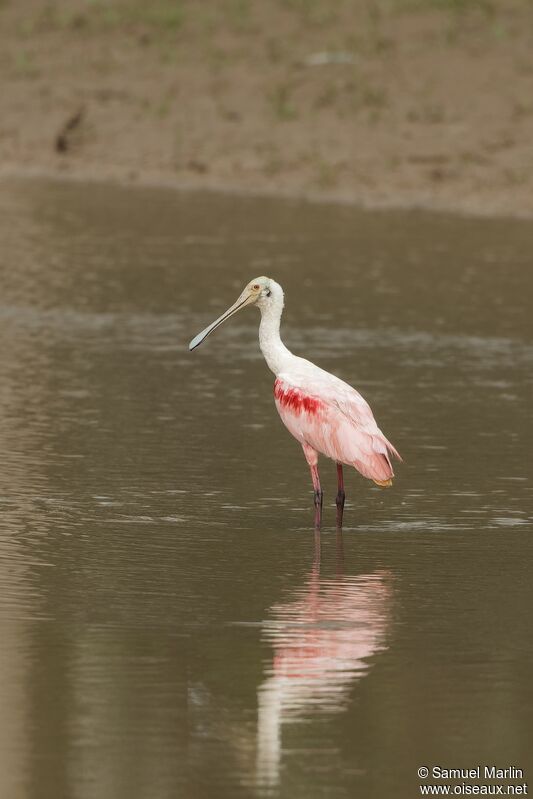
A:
{"x":334,"y":419}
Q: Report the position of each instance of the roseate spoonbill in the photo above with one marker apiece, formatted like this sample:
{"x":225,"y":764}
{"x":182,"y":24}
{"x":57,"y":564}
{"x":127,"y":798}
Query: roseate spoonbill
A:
{"x":322,"y":412}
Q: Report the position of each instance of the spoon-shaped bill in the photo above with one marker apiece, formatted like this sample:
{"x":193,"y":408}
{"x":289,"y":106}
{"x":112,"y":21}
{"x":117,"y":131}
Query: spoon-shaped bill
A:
{"x":243,"y":300}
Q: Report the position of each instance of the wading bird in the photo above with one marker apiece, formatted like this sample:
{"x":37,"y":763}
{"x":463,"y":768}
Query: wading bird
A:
{"x":322,"y":412}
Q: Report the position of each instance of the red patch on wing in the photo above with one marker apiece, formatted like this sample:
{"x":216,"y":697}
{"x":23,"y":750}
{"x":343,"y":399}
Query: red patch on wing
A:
{"x":295,"y":399}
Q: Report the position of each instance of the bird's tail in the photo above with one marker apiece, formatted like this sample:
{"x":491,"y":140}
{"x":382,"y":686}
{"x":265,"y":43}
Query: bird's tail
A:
{"x":393,"y":450}
{"x":390,"y":450}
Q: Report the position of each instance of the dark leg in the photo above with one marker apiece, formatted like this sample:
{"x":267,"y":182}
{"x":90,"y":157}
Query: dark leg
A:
{"x":318,"y":496}
{"x":339,"y":501}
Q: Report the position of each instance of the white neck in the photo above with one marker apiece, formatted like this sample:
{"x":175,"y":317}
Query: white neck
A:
{"x":276,"y":353}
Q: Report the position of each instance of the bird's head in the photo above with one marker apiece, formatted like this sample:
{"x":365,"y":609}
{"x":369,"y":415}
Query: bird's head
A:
{"x":262,"y":291}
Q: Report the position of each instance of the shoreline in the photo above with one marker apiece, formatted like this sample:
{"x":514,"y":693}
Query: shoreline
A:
{"x":373,"y":104}
{"x":363,"y":202}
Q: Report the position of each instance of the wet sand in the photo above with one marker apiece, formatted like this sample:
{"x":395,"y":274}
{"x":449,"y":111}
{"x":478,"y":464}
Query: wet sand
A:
{"x":379,"y":103}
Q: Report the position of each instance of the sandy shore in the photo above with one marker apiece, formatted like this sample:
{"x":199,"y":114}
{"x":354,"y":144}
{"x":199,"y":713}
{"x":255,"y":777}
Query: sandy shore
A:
{"x":379,"y":102}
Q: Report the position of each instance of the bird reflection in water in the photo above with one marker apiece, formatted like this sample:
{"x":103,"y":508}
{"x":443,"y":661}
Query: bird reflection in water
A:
{"x":321,"y":641}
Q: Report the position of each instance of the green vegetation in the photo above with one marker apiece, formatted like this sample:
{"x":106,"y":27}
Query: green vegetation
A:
{"x":327,"y":175}
{"x":97,"y":15}
{"x":24,"y":65}
{"x":281,"y":102}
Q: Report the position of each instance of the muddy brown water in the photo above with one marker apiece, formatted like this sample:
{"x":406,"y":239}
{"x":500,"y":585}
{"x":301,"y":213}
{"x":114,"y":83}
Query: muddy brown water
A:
{"x":170,"y":624}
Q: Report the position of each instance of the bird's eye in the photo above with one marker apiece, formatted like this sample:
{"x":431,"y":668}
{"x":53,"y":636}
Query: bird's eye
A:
{"x":256,"y":286}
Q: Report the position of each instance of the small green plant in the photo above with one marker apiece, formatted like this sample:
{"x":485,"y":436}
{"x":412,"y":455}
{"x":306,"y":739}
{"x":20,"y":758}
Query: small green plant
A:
{"x":314,"y":12}
{"x":25,"y":66}
{"x":374,"y":97}
{"x":163,"y":15}
{"x":327,"y":174}
{"x":163,"y":109}
{"x":282,"y":106}
{"x":166,"y":16}
{"x":238,"y":14}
